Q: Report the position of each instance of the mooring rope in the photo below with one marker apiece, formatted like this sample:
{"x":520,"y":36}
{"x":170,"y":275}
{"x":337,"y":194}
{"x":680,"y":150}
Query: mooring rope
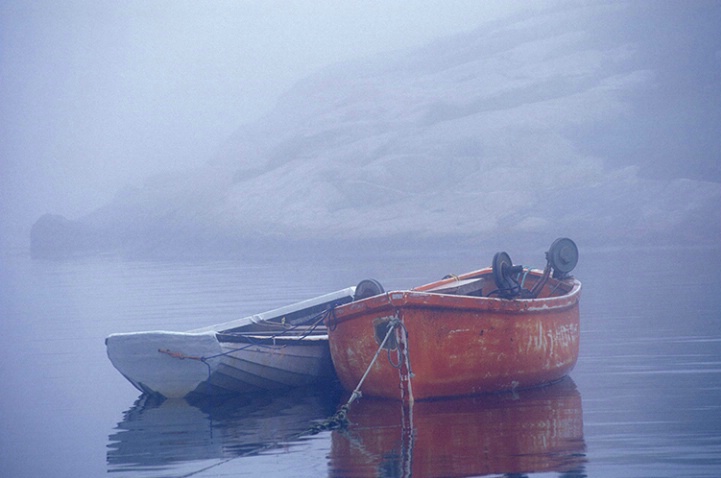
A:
{"x":337,"y":421}
{"x":405,"y":360}
{"x":401,"y":362}
{"x":340,"y":419}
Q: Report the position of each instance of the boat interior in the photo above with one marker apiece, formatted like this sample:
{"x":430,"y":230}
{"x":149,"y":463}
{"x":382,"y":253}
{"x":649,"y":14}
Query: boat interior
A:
{"x":527,"y":284}
{"x":508,"y":281}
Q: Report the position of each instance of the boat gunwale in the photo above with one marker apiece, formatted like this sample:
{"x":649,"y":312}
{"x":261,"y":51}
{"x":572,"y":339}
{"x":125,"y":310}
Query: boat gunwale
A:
{"x":278,"y":340}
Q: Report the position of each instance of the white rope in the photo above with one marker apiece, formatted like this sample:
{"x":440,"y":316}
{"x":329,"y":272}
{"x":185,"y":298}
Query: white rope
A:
{"x":392,"y":324}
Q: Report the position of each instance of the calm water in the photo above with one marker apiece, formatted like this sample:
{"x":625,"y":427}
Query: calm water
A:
{"x":643,"y":401}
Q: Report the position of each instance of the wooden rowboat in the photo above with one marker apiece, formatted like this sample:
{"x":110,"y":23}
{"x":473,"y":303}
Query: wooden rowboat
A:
{"x":281,"y":348}
{"x":500,"y":328}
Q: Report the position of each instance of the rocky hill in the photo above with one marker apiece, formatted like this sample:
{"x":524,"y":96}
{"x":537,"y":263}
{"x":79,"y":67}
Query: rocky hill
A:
{"x":570,"y":122}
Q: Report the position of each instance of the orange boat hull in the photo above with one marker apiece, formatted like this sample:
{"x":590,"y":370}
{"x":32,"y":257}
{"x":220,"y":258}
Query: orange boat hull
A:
{"x":459,"y":345}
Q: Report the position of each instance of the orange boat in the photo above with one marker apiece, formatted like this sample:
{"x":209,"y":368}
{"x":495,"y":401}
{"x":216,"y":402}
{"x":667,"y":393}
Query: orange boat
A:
{"x":500,"y":328}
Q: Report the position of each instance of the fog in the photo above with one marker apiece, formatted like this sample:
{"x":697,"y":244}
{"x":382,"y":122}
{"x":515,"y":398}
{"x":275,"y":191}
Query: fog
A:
{"x":366,"y":105}
{"x":99,"y":95}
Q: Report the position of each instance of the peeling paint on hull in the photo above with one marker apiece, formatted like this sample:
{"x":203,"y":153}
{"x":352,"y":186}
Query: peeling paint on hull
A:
{"x":461,"y":345}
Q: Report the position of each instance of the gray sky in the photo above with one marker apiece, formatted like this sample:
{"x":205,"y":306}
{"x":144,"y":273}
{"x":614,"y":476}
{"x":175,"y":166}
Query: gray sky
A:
{"x":95,"y":95}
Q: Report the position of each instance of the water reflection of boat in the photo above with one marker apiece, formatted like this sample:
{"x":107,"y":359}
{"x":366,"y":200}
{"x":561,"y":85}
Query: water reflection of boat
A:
{"x":157,"y":434}
{"x":538,"y":430}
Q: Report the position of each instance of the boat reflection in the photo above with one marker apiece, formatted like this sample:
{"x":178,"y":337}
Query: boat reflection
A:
{"x":157,"y":434}
{"x":531,"y":431}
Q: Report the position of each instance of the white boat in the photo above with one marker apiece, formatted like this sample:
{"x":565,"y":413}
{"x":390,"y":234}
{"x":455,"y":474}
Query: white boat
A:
{"x":278,"y":349}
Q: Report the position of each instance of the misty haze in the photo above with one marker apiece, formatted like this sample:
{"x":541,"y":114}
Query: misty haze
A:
{"x":169,"y":165}
{"x":598,"y":120}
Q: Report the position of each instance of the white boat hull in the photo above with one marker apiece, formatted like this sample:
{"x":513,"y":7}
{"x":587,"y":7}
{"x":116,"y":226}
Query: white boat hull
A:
{"x":278,"y":349}
{"x":146,"y":360}
{"x":176,"y":364}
